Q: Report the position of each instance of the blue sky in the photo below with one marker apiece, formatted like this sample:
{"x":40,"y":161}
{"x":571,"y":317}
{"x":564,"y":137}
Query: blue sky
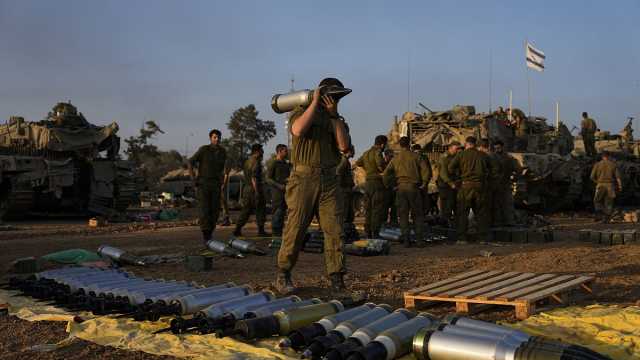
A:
{"x":189,"y":64}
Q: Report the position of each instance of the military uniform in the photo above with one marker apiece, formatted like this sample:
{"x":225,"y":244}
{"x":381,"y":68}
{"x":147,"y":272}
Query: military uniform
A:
{"x":492,"y":187}
{"x":473,"y":167}
{"x":410,"y":172}
{"x":373,"y":164}
{"x":588,"y":133}
{"x":503,"y":209}
{"x":424,"y":192}
{"x":606,"y":176}
{"x":346,"y":184}
{"x":277,"y":174}
{"x":252,"y":200}
{"x":446,"y":187}
{"x":210,"y":160}
{"x":313,"y":187}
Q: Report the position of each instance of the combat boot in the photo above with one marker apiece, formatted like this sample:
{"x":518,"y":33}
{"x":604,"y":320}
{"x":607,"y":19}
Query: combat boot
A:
{"x":283,"y":284}
{"x":337,"y":283}
{"x":263,"y":233}
{"x":206,"y":235}
{"x":226,"y":221}
{"x":237,"y":232}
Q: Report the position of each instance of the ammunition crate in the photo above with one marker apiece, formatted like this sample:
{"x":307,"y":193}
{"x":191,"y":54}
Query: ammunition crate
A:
{"x":198,"y":263}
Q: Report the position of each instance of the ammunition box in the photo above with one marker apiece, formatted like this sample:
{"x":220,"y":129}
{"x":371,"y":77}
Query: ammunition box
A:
{"x":535,"y":236}
{"x":501,"y":235}
{"x":199,"y":263}
{"x":630,"y":236}
{"x":617,"y":238}
{"x":584,"y":235}
{"x":605,"y":238}
{"x":519,"y":236}
{"x":27,"y":265}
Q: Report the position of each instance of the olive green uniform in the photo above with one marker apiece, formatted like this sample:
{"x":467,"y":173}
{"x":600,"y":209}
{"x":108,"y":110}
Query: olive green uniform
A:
{"x":346,"y":184}
{"x":588,"y":132}
{"x":253,"y":200}
{"x":278,"y":172}
{"x":424,"y":191}
{"x":410,"y":173}
{"x":503,"y":209}
{"x":373,"y":164}
{"x":606,"y":176}
{"x":210,"y":161}
{"x":473,"y":167}
{"x":492,"y":187}
{"x":446,"y":187}
{"x":313,"y":187}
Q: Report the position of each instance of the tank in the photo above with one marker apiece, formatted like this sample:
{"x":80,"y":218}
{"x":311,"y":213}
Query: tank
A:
{"x":553,"y":178}
{"x":63,"y":164}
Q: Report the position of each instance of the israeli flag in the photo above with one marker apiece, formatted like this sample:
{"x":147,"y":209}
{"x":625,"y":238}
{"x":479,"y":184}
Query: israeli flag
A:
{"x":535,"y":58}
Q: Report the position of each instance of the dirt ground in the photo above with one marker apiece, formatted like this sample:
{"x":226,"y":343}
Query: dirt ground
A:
{"x":384,"y":278}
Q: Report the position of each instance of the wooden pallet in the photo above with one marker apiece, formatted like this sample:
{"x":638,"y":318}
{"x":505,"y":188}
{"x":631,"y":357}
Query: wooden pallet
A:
{"x":524,"y":291}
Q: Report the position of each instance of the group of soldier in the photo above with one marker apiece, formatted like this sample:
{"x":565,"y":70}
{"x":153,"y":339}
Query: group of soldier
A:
{"x":317,"y":183}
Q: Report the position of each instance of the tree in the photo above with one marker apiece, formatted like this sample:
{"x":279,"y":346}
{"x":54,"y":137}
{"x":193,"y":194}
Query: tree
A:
{"x":152,"y":162}
{"x":246,"y":129}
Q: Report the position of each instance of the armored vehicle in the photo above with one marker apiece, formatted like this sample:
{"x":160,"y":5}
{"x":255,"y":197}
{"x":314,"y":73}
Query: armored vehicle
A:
{"x":63,"y":164}
{"x":551,"y":177}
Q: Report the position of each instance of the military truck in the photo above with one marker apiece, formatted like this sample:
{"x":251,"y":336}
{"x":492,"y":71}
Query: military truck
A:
{"x":63,"y":163}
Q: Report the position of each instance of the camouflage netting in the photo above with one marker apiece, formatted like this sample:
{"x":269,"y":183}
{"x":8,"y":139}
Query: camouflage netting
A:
{"x":60,"y":139}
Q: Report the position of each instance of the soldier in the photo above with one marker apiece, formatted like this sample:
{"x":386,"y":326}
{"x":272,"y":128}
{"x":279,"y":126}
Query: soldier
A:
{"x":210,"y":161}
{"x":588,"y":132}
{"x":253,"y":192}
{"x":426,"y":198}
{"x":319,"y":136}
{"x":412,"y":175}
{"x":492,"y":184}
{"x":447,"y":186}
{"x":503,"y":210}
{"x":606,"y":175}
{"x":373,"y":164}
{"x":277,"y":174}
{"x":473,"y":168}
{"x":224,"y":201}
{"x":521,"y":129}
{"x":390,"y":212}
{"x":346,"y":183}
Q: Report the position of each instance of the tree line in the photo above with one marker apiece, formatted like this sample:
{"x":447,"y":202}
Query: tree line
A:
{"x":244,"y":129}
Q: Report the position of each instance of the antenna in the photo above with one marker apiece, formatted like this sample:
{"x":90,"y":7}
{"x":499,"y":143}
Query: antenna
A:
{"x":293,"y":80}
{"x":408,"y":80}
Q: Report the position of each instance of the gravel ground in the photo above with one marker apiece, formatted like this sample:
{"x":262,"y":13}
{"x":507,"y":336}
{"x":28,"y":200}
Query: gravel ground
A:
{"x":384,"y":278}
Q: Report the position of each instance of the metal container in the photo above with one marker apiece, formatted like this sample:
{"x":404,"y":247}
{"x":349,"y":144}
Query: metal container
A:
{"x":268,"y":310}
{"x":397,"y":341}
{"x":191,"y":304}
{"x":218,"y":310}
{"x":282,"y":103}
{"x":297,"y":318}
{"x":167,"y":298}
{"x":222,"y":248}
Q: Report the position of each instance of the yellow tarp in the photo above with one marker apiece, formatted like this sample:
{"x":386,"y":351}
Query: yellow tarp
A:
{"x":608,"y":329}
{"x":128,"y":334}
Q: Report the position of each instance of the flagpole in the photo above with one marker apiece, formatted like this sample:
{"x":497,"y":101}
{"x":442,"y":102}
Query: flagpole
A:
{"x":526,"y":43}
{"x":490,"y":81}
{"x":510,"y":105}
